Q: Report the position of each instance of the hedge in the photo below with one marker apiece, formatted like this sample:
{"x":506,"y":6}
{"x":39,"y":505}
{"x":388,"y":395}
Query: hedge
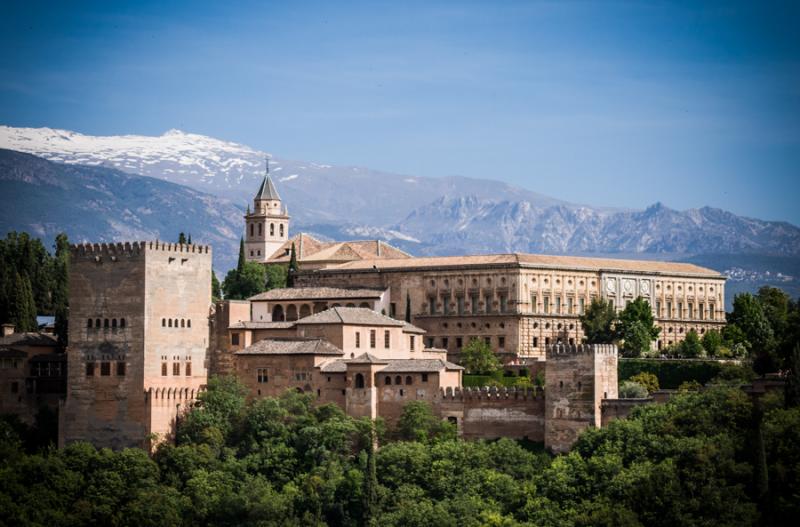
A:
{"x":671,"y":373}
{"x":477,"y":381}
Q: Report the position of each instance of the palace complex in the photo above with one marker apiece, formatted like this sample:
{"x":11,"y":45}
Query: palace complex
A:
{"x":366,"y":326}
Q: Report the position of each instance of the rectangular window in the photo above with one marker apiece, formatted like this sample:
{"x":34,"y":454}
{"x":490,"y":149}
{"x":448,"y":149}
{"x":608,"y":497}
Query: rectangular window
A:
{"x":14,"y":387}
{"x":658,"y":308}
{"x":393,"y":310}
{"x":558,"y":305}
{"x":164,"y":369}
{"x":546,"y":301}
{"x":711,"y":311}
{"x":460,"y":304}
{"x":503,"y":304}
{"x":372,"y":338}
{"x":358,"y":339}
{"x":432,"y":305}
{"x":262,"y":375}
{"x":120,"y":369}
{"x":680,"y":309}
{"x":445,"y":342}
{"x":581,"y":305}
{"x":411,"y":344}
{"x":386,"y":339}
{"x":535,"y":342}
{"x":474,"y":304}
{"x":669,"y":309}
{"x":488,"y":340}
{"x":534,"y":306}
{"x":234,"y":339}
{"x":501,"y":342}
{"x":570,"y":305}
{"x":691,"y":310}
{"x":429,"y":340}
{"x":547,"y":341}
{"x":188,"y":371}
{"x":701,"y":311}
{"x":446,"y":305}
{"x":424,"y":377}
{"x":459,"y":342}
{"x":105,"y":369}
{"x":176,"y":368}
{"x":90,"y":369}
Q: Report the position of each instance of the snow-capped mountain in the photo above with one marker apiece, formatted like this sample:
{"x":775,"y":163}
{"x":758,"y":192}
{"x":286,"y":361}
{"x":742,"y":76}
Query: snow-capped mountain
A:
{"x":448,"y":215}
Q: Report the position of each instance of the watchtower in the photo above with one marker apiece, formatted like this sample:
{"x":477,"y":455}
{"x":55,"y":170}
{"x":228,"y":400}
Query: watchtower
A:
{"x":577,"y":379}
{"x":139,"y":339}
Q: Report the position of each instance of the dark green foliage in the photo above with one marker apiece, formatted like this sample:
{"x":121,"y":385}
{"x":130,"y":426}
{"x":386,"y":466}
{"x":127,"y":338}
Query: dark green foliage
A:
{"x":636,"y":328}
{"x":748,"y":315}
{"x":477,"y":357}
{"x":293,"y":267}
{"x":408,"y":308}
{"x":244,"y":283}
{"x":277,"y":276}
{"x":598,"y":322}
{"x":32,"y":282}
{"x":286,"y":461}
{"x":671,"y":373}
{"x":712,"y":342}
{"x":182,"y":238}
{"x":646,"y":379}
{"x":216,"y":288}
{"x":690,"y":346}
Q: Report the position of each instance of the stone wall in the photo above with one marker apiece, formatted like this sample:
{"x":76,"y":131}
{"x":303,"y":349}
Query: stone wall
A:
{"x":490,"y":413}
{"x":612,"y":409}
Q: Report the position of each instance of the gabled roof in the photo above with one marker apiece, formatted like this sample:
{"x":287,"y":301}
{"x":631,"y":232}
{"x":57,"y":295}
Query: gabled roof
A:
{"x":29,"y":339}
{"x":261,"y":324}
{"x":291,"y":346}
{"x":367,"y":358}
{"x":310,"y":249}
{"x":316,"y":293}
{"x":359,"y":316}
{"x":267,"y":190}
{"x":418,"y":366}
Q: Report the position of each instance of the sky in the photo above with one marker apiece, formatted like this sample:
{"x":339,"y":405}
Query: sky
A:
{"x":618,"y":104}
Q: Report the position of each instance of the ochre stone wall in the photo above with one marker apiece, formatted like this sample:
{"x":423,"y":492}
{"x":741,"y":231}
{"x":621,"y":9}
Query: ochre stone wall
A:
{"x":490,"y":413}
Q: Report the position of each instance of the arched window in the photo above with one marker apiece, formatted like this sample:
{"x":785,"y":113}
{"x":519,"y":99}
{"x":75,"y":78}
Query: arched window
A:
{"x":408,"y":379}
{"x":260,"y":227}
{"x":387,"y":381}
{"x":281,"y":230}
{"x":89,"y":323}
{"x":272,"y":229}
{"x":122,"y":322}
{"x":189,"y":323}
{"x":114,"y":323}
{"x":163,"y":322}
{"x":170,"y":322}
{"x":252,"y":229}
{"x":176,"y":322}
{"x":97,"y":323}
{"x":359,"y":380}
{"x":304,"y":311}
{"x":291,"y":312}
{"x":183,"y":323}
{"x":350,"y":304}
{"x":363,"y":304}
{"x":277,"y":313}
{"x":398,"y":380}
{"x":105,"y":322}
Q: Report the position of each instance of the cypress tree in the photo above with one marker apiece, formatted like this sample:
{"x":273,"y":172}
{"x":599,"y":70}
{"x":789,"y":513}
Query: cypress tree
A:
{"x":292,"y":267}
{"x":189,"y":241}
{"x":60,"y":289}
{"x":240,"y":263}
{"x":216,"y":290}
{"x":370,"y":497}
{"x":24,"y":306}
{"x":408,"y":308}
{"x":182,"y":238}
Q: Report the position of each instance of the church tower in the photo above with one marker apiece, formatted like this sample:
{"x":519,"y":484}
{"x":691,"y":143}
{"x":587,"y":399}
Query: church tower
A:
{"x":267,"y":226}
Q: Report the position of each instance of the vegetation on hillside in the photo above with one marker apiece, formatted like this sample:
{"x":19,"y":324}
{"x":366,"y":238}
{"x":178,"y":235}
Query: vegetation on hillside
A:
{"x":704,"y":458}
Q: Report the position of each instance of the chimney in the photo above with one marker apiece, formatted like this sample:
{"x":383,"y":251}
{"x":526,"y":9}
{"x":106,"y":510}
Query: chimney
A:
{"x":379,"y":246}
{"x":8,"y":329}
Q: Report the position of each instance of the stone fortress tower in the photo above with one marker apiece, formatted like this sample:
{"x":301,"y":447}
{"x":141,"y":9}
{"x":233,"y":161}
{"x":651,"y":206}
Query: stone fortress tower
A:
{"x":577,"y":379}
{"x":139,"y":340}
{"x":267,"y":226}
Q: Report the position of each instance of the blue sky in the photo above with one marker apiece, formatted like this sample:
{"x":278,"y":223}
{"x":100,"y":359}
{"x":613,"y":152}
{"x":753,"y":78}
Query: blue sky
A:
{"x":608,"y":103}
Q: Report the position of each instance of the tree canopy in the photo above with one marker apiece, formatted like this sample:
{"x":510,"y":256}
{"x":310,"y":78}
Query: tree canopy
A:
{"x":598,"y":322}
{"x":477,"y":357}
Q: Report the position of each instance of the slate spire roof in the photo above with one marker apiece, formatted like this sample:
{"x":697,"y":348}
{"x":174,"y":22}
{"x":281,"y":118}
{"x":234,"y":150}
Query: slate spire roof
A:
{"x":267,"y":190}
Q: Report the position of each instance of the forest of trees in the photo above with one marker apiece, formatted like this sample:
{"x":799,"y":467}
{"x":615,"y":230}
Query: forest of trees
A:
{"x":33,"y":282}
{"x":706,"y":457}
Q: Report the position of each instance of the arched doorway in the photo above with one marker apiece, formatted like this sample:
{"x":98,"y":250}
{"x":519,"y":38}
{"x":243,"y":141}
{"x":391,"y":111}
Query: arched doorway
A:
{"x":359,"y":380}
{"x":305,"y":311}
{"x":277,"y":314}
{"x":291,"y":313}
{"x":363,"y":304}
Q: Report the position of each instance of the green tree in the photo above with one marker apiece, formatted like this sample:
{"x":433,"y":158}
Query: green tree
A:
{"x":60,"y":294}
{"x":792,"y":389}
{"x":182,"y":238}
{"x":646,"y":379}
{"x":408,"y":308}
{"x":418,"y":423}
{"x":477,"y":357}
{"x":216,"y":288}
{"x":277,"y":276}
{"x":240,"y":285}
{"x":293,"y":267}
{"x":748,"y":315}
{"x":632,"y":390}
{"x":636,"y":328}
{"x":242,"y":260}
{"x":24,"y":314}
{"x":712,"y":342}
{"x":691,"y":347}
{"x":598,"y":322}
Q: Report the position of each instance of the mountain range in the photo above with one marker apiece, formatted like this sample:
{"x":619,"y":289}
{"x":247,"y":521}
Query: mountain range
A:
{"x":191,"y":182}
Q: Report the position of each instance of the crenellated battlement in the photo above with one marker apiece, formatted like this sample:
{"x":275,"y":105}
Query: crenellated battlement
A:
{"x":130,"y":249}
{"x":167,"y":394}
{"x":490,"y":393}
{"x":557,"y":351}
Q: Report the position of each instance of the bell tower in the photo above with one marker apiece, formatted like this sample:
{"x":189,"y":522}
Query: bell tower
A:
{"x":267,"y":226}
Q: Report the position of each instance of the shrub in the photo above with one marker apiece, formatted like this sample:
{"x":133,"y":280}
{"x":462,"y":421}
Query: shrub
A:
{"x":632,"y":390}
{"x":670,"y":373}
{"x":646,"y":379}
